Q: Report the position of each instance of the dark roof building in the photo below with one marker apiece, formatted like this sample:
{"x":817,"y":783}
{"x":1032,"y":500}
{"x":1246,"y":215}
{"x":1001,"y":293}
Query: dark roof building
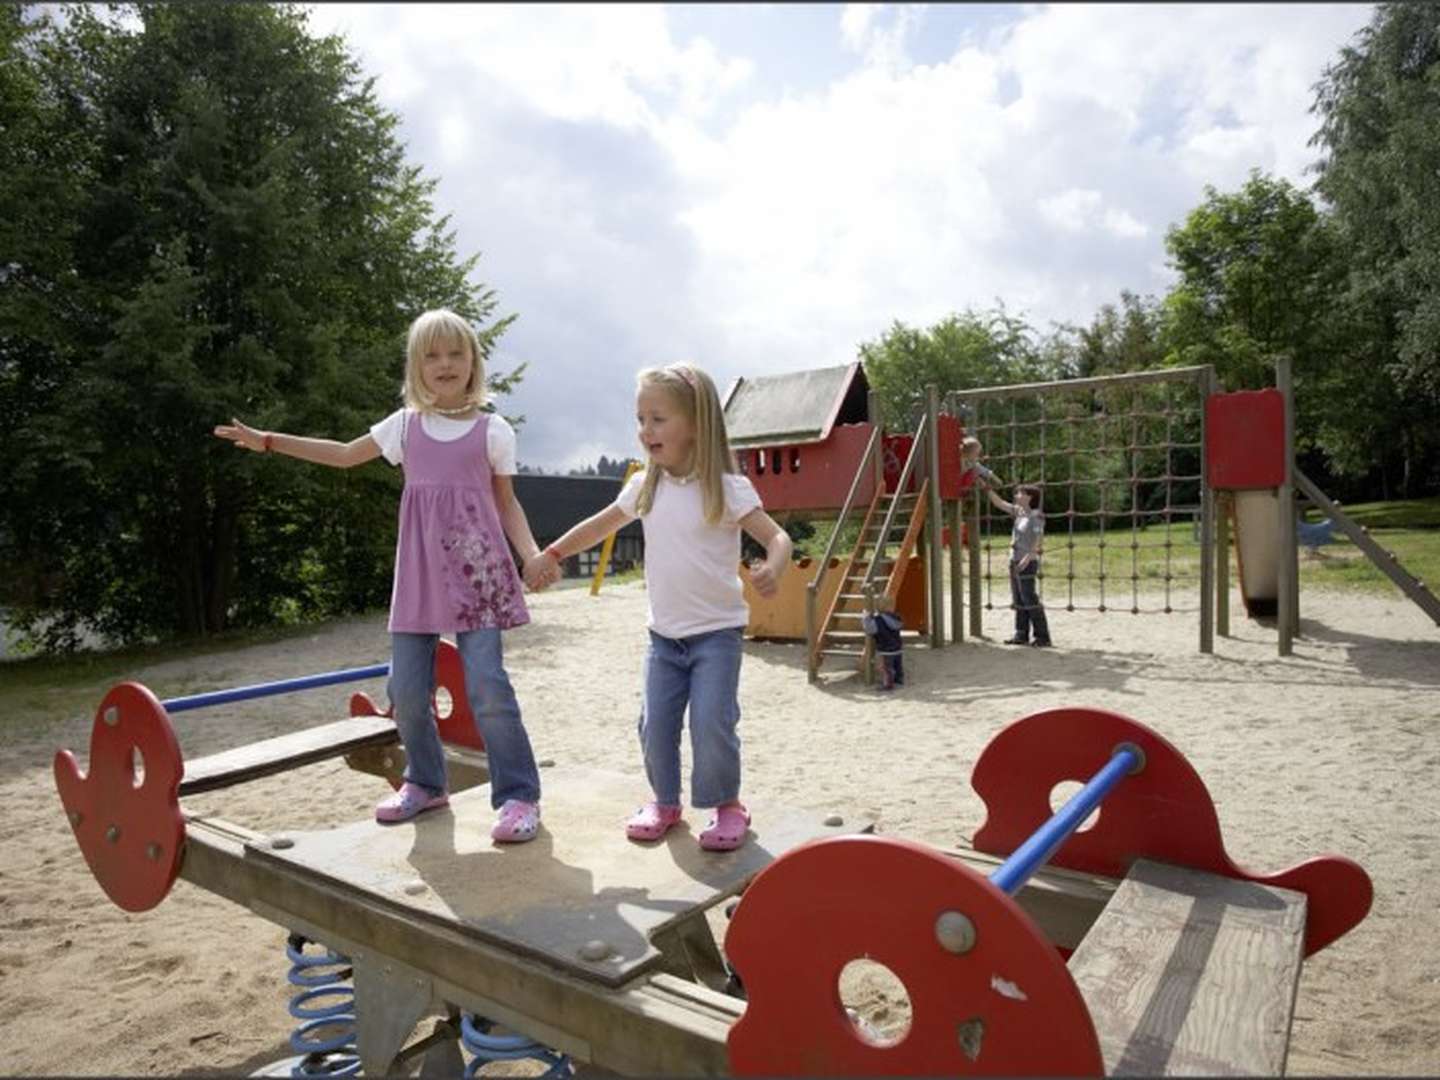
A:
{"x":555,"y":503}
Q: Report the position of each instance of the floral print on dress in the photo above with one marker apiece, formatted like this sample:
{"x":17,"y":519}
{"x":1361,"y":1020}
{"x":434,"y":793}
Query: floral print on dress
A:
{"x":481,"y":581}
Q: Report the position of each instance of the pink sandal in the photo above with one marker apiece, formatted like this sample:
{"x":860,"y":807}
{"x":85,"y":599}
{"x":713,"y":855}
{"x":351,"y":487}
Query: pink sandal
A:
{"x":652,"y":821}
{"x":727,"y":829}
{"x":410,"y":800}
{"x":518,"y":822}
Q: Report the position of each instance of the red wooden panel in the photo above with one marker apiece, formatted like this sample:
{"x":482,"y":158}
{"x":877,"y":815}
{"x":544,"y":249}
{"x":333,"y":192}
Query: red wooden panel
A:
{"x":1163,"y":812}
{"x":818,"y":906}
{"x":815,"y":476}
{"x":129,"y":826}
{"x":1245,"y":439}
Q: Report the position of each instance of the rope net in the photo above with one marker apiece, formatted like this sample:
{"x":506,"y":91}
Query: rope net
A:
{"x":1118,"y":466}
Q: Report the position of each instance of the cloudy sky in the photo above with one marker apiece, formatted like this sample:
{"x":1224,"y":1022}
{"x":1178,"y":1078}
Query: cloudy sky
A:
{"x":759,"y":188}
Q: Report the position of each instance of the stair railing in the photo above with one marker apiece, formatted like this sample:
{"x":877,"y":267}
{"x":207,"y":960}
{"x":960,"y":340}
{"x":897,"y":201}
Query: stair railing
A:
{"x":812,"y":590}
{"x":916,"y":452}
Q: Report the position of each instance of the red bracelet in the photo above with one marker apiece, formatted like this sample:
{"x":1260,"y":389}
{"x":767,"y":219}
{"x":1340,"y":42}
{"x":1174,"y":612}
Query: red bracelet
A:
{"x":266,"y":445}
{"x":554,"y":554}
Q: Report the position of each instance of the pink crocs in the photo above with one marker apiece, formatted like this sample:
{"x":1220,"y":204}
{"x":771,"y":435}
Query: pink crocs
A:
{"x":518,"y":822}
{"x":410,"y":800}
{"x":727,"y":829}
{"x":652,"y":821}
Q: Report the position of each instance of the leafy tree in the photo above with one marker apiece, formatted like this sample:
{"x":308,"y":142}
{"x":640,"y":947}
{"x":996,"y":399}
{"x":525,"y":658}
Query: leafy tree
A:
{"x":1117,"y":340}
{"x":1258,"y":273}
{"x":235,"y":231}
{"x":1379,"y":137}
{"x":1262,"y":277}
{"x":960,"y":352}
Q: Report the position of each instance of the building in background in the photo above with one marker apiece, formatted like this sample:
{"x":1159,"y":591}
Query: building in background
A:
{"x":555,"y":503}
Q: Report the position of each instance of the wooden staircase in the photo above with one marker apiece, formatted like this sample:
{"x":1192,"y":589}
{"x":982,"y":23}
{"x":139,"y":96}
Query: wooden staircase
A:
{"x":879,"y":561}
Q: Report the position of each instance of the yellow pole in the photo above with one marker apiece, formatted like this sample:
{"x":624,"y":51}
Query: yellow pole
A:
{"x":609,"y":545}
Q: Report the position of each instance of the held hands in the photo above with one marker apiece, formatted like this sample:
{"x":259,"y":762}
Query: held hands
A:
{"x":541,"y":571}
{"x":241,"y":435}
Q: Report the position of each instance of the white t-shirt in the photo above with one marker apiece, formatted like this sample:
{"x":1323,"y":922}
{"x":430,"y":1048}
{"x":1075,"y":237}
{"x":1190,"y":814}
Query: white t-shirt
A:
{"x":499,"y":439}
{"x":692,"y":570}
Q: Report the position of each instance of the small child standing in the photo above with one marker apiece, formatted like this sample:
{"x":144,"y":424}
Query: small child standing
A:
{"x":693,"y":503}
{"x":883,"y":628}
{"x":453,"y":572}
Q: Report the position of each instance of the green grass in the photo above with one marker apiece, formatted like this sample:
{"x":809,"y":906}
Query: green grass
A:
{"x":1410,"y":529}
{"x":46,"y":688}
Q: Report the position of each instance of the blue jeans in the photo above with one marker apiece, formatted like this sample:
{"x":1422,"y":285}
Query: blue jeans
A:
{"x":703,"y":672}
{"x":513,"y":774}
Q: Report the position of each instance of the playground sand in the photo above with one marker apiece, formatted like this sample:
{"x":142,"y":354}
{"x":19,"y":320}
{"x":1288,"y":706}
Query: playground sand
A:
{"x":1335,"y":749}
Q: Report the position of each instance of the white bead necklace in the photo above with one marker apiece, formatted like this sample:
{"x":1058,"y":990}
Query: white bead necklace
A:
{"x":462,"y":410}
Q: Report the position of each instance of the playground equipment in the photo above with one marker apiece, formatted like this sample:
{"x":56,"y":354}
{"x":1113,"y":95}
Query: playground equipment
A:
{"x":1131,"y":465}
{"x":1251,"y":459}
{"x":1117,"y":457}
{"x":599,"y":949}
{"x":809,"y":442}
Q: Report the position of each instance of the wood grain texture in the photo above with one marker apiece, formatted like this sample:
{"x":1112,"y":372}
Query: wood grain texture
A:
{"x":1187,"y":973}
{"x":269,"y":756}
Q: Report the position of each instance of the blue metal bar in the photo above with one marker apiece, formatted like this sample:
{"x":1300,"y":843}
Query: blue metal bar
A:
{"x":283,"y":686}
{"x":1046,"y":840}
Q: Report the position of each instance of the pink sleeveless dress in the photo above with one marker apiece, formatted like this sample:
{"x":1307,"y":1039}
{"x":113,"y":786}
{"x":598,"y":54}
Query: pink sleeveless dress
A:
{"x":453,"y":567}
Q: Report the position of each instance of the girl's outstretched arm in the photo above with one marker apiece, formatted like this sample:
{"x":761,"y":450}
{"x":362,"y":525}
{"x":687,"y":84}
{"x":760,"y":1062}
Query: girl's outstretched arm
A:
{"x":583,"y":536}
{"x":321,"y":451}
{"x":777,"y":544}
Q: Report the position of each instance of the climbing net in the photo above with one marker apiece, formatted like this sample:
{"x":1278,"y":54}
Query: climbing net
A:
{"x":1118,"y":461}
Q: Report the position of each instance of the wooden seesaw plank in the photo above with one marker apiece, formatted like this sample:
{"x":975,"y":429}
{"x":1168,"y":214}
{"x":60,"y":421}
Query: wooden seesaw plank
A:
{"x":578,"y":883}
{"x":1188,"y":973}
{"x":244,"y":763}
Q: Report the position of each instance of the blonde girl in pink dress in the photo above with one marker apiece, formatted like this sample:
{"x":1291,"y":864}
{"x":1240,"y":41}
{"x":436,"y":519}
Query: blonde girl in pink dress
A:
{"x":454,"y":573}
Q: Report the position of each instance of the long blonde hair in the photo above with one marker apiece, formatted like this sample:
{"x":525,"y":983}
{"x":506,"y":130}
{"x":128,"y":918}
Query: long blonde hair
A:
{"x":442,"y":325}
{"x":695,"y":395}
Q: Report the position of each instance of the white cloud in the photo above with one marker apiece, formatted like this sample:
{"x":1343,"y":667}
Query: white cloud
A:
{"x":1079,"y":210}
{"x":638,"y":200}
{"x":855,"y":22}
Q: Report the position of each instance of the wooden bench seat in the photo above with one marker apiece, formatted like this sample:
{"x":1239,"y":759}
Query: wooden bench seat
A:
{"x":269,"y":756}
{"x":1187,"y":973}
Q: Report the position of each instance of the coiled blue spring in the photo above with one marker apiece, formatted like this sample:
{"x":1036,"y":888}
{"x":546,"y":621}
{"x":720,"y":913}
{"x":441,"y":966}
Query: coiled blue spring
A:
{"x":335,"y":1055}
{"x":476,"y":1037}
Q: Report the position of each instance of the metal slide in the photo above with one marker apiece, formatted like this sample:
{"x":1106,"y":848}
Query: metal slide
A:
{"x":1255,"y":521}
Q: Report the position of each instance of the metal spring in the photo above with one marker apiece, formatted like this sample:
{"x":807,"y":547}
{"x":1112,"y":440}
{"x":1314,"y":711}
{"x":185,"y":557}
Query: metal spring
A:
{"x":336,"y":1055}
{"x":475,"y":1036}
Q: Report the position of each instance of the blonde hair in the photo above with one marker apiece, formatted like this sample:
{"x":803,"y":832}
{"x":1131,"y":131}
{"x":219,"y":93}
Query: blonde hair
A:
{"x":970,"y":442}
{"x":695,"y":395}
{"x":441,"y":325}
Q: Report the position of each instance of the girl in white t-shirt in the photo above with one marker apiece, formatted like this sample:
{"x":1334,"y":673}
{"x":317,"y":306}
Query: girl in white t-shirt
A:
{"x":692,"y":502}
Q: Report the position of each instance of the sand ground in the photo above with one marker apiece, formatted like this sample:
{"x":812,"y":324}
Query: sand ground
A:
{"x":1334,"y":749}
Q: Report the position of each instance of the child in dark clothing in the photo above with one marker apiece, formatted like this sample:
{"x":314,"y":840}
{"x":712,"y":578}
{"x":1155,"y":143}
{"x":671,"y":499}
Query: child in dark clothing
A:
{"x":883,"y":627}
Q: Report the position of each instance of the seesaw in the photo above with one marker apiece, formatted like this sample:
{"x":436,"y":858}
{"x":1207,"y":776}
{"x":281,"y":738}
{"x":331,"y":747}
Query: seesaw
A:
{"x":600,"y":950}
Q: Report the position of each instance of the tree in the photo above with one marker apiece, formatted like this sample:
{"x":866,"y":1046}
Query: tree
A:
{"x":1379,"y":170}
{"x":1117,"y":341}
{"x":1261,"y":277}
{"x":960,"y":352}
{"x":235,"y":231}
